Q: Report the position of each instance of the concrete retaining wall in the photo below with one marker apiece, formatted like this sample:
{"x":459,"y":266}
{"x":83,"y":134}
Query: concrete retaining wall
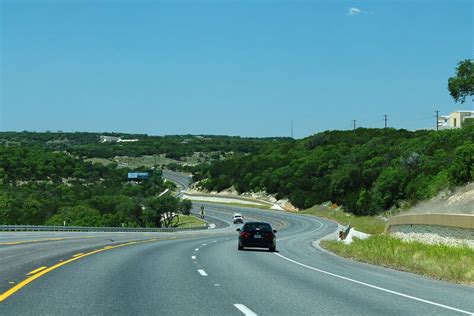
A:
{"x":450,"y":228}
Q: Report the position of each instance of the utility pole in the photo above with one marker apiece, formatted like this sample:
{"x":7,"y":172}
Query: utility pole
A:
{"x":291,"y":128}
{"x":385,"y":119}
{"x":437,"y":119}
{"x":354,"y":123}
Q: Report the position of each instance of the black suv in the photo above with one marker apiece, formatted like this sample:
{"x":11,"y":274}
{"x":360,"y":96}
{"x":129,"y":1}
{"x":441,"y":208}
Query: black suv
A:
{"x":257,"y":234}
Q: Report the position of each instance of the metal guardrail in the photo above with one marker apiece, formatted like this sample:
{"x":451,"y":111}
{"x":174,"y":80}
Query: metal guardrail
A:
{"x":95,"y":229}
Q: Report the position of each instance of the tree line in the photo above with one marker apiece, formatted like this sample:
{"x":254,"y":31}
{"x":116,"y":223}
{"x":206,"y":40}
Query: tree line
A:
{"x":40,"y":186}
{"x":365,"y":170}
{"x":88,"y":145}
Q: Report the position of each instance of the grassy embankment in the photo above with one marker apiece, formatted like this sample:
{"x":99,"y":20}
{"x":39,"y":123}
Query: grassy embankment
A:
{"x":243,"y":204}
{"x":367,"y":224}
{"x":454,"y":264}
{"x":240,"y":203}
{"x":190,"y":221}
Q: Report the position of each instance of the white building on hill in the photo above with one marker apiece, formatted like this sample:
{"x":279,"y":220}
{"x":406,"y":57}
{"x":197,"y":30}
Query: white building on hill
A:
{"x":113,"y":139}
{"x":456,"y":119}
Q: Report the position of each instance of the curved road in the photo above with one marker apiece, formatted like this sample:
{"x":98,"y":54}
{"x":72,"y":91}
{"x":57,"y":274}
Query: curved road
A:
{"x":203,"y":273}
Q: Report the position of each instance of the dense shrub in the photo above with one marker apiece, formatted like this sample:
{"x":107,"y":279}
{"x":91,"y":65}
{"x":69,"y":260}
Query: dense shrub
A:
{"x":366,"y":170}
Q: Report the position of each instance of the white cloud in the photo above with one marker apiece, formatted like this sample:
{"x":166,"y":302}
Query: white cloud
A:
{"x":357,"y":11}
{"x":354,"y":11}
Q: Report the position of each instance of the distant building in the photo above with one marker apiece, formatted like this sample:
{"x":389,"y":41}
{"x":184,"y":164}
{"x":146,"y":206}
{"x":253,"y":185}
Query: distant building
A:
{"x":455,"y":120}
{"x":113,"y":139}
{"x":443,"y":121}
{"x":127,"y":140}
{"x":109,"y":139}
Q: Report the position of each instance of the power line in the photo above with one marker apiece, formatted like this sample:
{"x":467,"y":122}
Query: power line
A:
{"x":384,"y":120}
{"x":370,"y":123}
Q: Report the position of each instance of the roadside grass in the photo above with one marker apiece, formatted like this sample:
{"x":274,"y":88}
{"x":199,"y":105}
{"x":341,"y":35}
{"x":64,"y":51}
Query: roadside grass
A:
{"x":186,"y":221}
{"x":366,"y":224}
{"x":454,"y":264}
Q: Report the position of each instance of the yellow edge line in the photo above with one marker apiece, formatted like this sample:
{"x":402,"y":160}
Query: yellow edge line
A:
{"x":77,"y":254}
{"x":37,"y":270}
{"x":20,"y":285}
{"x":40,"y":240}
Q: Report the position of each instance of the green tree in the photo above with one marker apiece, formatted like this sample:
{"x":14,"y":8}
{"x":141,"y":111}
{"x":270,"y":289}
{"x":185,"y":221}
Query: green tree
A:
{"x":4,"y":208}
{"x":388,"y":188}
{"x":34,"y":207}
{"x":468,"y":122}
{"x":80,"y":215}
{"x":161,"y":211}
{"x":462,"y":85}
{"x":185,"y":206}
{"x":462,"y":169}
{"x":364,"y":203}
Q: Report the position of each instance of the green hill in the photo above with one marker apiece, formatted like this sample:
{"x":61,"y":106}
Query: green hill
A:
{"x":57,"y":177}
{"x":365,"y":170}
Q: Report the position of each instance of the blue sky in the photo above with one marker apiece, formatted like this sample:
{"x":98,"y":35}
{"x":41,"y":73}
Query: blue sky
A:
{"x":229,"y":67}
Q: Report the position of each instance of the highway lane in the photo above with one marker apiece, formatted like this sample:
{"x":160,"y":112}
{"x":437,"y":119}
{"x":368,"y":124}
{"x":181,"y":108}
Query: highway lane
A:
{"x":23,"y":252}
{"x":183,"y":180}
{"x":398,"y":291}
{"x":203,"y":273}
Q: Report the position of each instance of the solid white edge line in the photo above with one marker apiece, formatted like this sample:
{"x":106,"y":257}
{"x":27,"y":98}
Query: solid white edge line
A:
{"x":244,"y":309}
{"x":193,"y":257}
{"x":202,"y":272}
{"x":375,"y":287}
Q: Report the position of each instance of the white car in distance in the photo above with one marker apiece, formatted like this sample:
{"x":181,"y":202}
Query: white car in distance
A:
{"x":238,"y":218}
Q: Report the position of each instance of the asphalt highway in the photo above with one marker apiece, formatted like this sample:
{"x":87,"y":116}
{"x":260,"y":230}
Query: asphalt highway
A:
{"x":203,"y":273}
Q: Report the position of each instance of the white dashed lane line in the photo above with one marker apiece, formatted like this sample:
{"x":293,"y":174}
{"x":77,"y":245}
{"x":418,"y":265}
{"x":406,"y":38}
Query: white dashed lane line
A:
{"x":202,"y":272}
{"x":193,"y":257}
{"x":244,"y":309}
{"x":197,"y":249}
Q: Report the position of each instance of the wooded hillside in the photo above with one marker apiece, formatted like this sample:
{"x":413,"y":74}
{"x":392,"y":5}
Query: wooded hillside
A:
{"x":365,"y":170}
